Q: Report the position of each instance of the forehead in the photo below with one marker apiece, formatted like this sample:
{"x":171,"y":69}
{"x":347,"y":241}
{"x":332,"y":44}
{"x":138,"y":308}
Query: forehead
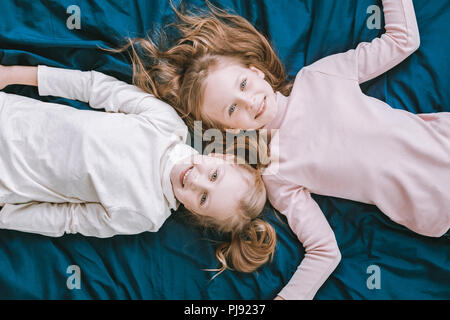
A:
{"x":219,"y":86}
{"x":227,"y":196}
{"x":235,"y":182}
{"x":225,"y":69}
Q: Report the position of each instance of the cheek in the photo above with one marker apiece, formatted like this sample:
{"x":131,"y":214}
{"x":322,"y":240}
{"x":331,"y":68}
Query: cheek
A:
{"x":214,"y":115}
{"x":241,"y":121}
{"x":264,"y":85}
{"x":179,"y":194}
{"x":258,"y":82}
{"x":268,"y":86}
{"x":248,"y":121}
{"x":188,"y":203}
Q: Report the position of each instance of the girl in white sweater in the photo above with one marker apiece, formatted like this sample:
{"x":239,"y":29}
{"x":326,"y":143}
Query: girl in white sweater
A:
{"x":65,"y":170}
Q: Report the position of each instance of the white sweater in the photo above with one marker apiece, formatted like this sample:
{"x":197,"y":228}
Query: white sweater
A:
{"x":65,"y":170}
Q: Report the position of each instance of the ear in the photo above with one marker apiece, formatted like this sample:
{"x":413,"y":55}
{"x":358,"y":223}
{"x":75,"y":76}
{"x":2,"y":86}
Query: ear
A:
{"x":258,"y":72}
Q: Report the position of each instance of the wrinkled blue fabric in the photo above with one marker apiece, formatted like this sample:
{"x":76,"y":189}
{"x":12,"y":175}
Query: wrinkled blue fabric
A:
{"x":170,"y":264}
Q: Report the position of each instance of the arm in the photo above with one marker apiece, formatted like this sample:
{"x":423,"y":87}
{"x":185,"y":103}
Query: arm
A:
{"x":100,"y":91}
{"x":97,"y":89}
{"x":23,"y":75}
{"x":370,"y":60}
{"x":55,"y":219}
{"x":307,"y":221}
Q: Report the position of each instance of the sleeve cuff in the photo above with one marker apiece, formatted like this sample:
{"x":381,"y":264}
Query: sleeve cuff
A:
{"x":43,"y":85}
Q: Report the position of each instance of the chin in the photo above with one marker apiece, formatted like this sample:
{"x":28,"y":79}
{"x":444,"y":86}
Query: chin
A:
{"x":271,"y":113}
{"x":266,"y":120}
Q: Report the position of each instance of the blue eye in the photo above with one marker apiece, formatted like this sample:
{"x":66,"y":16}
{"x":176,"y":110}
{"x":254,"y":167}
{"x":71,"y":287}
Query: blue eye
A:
{"x":214,"y":176}
{"x":243,"y":84}
{"x":232,"y":109}
{"x":203,"y":199}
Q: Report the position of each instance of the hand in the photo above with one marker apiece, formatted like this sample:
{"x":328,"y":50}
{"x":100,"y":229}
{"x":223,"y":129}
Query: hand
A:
{"x":278,"y":298}
{"x":4,"y":77}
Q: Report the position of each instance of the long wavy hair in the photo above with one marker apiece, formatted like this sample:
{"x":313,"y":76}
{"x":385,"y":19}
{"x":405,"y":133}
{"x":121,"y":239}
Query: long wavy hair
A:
{"x":175,"y":70}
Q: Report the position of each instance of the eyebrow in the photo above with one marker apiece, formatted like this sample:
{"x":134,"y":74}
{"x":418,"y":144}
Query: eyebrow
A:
{"x":238,"y":79}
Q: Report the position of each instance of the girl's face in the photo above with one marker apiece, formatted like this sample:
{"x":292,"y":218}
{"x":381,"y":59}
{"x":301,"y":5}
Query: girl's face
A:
{"x":209,"y":185}
{"x":238,"y":97}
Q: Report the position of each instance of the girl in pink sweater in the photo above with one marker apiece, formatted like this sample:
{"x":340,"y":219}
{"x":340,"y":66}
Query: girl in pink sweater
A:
{"x":332,"y":140}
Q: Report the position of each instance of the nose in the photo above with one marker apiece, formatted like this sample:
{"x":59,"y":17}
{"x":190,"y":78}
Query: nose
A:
{"x":248,"y":102}
{"x":198,"y":180}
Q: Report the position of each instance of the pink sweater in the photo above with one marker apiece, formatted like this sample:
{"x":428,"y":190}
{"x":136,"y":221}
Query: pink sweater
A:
{"x":336,"y":141}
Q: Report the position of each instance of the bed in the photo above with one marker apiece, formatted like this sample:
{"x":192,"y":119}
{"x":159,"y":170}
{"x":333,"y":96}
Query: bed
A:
{"x":380,"y":259}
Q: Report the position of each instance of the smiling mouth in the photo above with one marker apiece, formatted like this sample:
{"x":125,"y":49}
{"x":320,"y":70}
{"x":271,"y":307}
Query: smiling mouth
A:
{"x":262,"y":108}
{"x":184,"y":175}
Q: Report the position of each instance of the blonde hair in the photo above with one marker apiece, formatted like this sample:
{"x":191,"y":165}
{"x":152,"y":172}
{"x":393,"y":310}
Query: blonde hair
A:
{"x":176,"y":75}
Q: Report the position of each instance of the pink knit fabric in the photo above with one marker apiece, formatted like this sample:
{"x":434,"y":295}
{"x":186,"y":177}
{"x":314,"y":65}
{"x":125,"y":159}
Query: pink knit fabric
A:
{"x":336,"y":141}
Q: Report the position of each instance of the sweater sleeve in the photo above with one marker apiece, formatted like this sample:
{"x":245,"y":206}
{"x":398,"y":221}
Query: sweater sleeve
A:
{"x":307,"y":221}
{"x":55,"y":219}
{"x":370,"y":60}
{"x":105,"y":92}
